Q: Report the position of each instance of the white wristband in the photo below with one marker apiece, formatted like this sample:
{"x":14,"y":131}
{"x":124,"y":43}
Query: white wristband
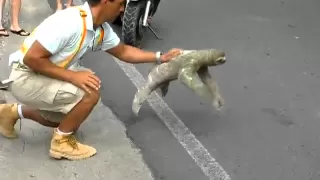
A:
{"x":158,"y":57}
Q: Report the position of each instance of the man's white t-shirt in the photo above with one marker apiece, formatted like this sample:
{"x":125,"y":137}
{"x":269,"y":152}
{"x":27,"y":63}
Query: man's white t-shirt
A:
{"x":61,"y":32}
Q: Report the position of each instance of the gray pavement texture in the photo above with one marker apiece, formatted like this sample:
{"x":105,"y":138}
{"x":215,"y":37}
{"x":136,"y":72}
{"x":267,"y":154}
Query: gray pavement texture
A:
{"x":269,"y":129}
{"x":27,"y":157}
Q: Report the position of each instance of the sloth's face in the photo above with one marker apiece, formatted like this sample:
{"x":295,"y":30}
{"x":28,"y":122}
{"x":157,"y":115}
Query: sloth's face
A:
{"x":217,"y":58}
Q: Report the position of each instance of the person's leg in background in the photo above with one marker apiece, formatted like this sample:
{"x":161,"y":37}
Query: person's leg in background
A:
{"x":59,"y":5}
{"x":3,"y":31}
{"x":15,"y":12}
{"x":155,"y":6}
{"x":69,"y":3}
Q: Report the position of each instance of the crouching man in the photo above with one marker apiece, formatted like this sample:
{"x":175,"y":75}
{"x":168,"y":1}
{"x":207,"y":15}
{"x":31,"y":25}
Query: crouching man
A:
{"x":48,"y":81}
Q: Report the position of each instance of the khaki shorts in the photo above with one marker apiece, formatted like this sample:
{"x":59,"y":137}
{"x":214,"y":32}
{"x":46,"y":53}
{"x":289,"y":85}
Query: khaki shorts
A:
{"x":54,"y":98}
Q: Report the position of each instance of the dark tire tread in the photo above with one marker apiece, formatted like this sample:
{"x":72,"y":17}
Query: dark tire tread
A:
{"x":131,"y":23}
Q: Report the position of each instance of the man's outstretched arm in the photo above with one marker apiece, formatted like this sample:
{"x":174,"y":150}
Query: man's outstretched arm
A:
{"x":135,"y":55}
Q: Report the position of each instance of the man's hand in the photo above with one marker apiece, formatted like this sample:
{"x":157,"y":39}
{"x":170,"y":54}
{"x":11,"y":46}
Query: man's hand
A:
{"x":171,"y":54}
{"x":134,"y":55}
{"x":86,"y":80}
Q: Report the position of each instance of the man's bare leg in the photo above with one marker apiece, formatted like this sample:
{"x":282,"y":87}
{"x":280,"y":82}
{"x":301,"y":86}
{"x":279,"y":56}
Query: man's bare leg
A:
{"x":79,"y":113}
{"x":10,"y":113}
{"x":63,"y":144}
{"x":15,"y":12}
{"x":35,"y":115}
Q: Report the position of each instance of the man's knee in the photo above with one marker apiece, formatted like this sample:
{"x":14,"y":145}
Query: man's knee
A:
{"x":92,"y":98}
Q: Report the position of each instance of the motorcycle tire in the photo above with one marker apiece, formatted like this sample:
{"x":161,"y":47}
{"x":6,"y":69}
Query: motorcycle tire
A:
{"x":130,"y":25}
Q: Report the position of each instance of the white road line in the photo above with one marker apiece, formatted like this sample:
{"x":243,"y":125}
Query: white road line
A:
{"x":191,"y":144}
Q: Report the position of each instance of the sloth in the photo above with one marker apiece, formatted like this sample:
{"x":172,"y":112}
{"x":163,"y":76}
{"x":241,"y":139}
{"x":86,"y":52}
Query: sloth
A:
{"x":191,"y":68}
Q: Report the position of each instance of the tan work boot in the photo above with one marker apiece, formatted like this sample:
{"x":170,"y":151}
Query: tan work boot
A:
{"x":8,"y":118}
{"x":68,"y":147}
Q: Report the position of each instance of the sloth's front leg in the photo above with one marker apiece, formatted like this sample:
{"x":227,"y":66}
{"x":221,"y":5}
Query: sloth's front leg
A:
{"x":190,"y":78}
{"x":217,"y":100}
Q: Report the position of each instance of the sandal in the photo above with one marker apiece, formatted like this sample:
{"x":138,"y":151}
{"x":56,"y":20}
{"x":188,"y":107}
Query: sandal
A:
{"x":21,"y":32}
{"x":5,"y":33}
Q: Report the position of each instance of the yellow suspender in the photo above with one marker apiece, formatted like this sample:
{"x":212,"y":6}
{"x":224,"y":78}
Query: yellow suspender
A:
{"x":65,"y":62}
{"x":101,"y":35}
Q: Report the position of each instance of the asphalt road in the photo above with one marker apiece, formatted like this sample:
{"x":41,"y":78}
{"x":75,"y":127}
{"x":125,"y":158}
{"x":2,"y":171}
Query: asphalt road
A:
{"x":269,"y":129}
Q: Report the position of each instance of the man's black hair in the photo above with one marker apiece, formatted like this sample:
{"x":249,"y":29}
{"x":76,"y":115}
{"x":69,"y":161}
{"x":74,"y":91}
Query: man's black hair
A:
{"x":93,"y":2}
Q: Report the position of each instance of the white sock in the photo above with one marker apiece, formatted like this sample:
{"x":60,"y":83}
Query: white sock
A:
{"x":20,"y":111}
{"x":63,"y":133}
